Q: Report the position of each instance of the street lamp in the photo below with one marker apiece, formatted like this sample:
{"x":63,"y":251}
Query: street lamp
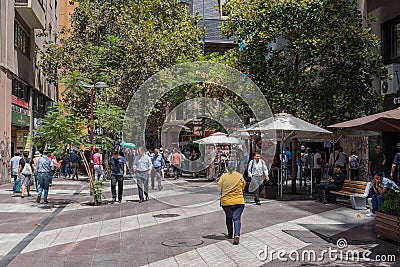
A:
{"x":92,"y":87}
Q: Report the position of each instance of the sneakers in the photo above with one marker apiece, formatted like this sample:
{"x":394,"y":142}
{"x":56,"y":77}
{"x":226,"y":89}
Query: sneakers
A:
{"x":236,"y":240}
{"x":38,"y":199}
{"x":45,"y":202}
{"x":371,"y":214}
{"x":258,"y":203}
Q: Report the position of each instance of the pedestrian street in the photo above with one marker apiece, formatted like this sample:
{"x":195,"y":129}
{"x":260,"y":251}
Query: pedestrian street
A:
{"x":70,"y":231}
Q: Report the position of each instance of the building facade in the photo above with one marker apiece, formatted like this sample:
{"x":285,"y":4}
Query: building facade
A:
{"x":25,"y":95}
{"x":212,"y":14}
{"x":386,"y":25}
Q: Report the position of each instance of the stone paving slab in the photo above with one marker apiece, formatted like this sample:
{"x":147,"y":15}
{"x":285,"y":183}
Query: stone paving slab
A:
{"x":128,"y":234}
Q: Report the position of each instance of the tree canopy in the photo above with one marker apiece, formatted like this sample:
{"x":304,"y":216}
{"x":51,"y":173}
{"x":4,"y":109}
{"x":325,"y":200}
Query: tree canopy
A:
{"x":311,"y":57}
{"x":121,"y":43}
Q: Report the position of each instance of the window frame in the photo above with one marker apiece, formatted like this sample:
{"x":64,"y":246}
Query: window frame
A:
{"x":21,"y":39}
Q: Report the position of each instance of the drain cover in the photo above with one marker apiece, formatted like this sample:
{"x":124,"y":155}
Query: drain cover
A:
{"x":166,"y":215}
{"x":182,"y":242}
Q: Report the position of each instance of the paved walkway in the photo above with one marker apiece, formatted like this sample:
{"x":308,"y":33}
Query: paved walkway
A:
{"x":181,"y":225}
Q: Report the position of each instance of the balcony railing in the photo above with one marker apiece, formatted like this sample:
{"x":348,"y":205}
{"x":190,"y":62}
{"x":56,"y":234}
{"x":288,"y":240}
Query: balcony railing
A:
{"x":32,"y":12}
{"x":21,"y":2}
{"x":25,"y":2}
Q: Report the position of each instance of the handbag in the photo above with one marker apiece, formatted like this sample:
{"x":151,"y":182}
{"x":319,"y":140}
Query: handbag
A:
{"x":18,"y":185}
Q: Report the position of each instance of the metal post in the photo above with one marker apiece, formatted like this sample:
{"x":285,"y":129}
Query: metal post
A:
{"x":91,"y":115}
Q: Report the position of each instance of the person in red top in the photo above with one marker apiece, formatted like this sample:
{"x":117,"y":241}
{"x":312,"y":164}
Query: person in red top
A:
{"x":176,"y":162}
{"x":98,"y":164}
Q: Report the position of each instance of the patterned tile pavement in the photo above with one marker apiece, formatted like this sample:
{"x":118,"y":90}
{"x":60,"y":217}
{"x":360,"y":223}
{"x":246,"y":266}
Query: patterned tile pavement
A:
{"x":181,"y":225}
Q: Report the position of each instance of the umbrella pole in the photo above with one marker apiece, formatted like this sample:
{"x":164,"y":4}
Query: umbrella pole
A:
{"x":294,"y":167}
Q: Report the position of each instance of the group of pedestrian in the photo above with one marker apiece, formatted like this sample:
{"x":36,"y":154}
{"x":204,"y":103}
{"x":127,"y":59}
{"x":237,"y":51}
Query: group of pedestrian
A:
{"x":37,"y":171}
{"x":146,"y":166}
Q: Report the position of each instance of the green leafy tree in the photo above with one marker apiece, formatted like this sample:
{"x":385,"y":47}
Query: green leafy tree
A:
{"x":110,"y":117}
{"x":60,"y":128}
{"x":311,"y":57}
{"x":122,"y":43}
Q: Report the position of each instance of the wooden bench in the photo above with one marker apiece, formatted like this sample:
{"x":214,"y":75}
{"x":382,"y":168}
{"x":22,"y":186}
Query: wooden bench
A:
{"x":357,"y":191}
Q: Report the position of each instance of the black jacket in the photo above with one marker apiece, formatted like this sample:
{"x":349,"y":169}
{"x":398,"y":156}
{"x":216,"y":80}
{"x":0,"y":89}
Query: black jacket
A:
{"x":339,"y":179}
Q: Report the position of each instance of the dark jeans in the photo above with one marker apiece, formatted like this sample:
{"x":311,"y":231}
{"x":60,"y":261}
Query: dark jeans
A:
{"x":354,"y":174}
{"x":232,"y":215}
{"x":257,"y":193}
{"x":15,"y":182}
{"x":114,"y":180}
{"x":75,"y":168}
{"x":327,"y":188}
{"x":177,"y":171}
{"x":376,"y":202}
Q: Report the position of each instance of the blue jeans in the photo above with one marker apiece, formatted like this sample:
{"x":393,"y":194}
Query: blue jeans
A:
{"x":43,"y":184}
{"x":376,"y":202}
{"x":66,"y":170}
{"x":232,"y":215}
{"x":143,"y":183}
{"x":15,"y":182}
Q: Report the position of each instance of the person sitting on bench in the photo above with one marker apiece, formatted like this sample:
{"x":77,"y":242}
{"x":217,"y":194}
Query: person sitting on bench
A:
{"x":379,"y":187}
{"x":335,"y":184}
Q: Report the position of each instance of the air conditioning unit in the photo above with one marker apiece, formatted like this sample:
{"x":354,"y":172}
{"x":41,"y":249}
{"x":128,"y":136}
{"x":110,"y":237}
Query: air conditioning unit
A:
{"x":391,"y":86}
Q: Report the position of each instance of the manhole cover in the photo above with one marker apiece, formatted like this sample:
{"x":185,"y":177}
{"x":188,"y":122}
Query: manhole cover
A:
{"x":182,"y":242}
{"x":166,"y":215}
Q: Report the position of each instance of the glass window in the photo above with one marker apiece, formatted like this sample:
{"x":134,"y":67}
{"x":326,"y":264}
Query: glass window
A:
{"x":396,"y":46}
{"x":20,"y":90}
{"x":21,"y":39}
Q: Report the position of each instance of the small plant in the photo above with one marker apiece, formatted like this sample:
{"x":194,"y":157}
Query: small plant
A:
{"x":96,"y":192}
{"x":391,"y":203}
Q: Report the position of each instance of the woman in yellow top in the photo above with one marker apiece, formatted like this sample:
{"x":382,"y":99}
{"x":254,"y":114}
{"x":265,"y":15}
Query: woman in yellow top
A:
{"x":231,"y":184}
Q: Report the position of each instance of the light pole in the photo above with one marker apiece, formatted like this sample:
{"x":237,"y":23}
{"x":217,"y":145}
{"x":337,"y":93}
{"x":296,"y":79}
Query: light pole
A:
{"x":91,"y":103}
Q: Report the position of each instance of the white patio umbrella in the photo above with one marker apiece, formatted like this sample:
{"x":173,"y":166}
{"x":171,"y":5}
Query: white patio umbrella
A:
{"x":286,"y":125}
{"x":219,"y":139}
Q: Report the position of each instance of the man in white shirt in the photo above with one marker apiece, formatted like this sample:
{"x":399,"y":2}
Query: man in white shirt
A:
{"x":13,"y":169}
{"x":318,"y":163}
{"x":257,"y":171}
{"x":339,"y":158}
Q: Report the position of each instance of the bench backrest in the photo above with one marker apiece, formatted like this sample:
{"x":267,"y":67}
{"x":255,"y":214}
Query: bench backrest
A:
{"x":356,"y":187}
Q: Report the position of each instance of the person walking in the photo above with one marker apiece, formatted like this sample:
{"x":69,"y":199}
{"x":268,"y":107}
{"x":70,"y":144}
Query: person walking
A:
{"x":13,"y":169}
{"x":44,"y":168}
{"x":354,"y":165}
{"x":118,"y":173}
{"x":97,"y":165}
{"x":338,"y":157}
{"x":142,"y":166}
{"x":35,"y":159}
{"x":66,"y":160}
{"x":75,"y":160}
{"x":376,"y":161}
{"x":231,"y":185}
{"x":257,"y":171}
{"x":25,"y":174}
{"x":396,"y":165}
{"x":176,"y":163}
{"x":158,"y":162}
